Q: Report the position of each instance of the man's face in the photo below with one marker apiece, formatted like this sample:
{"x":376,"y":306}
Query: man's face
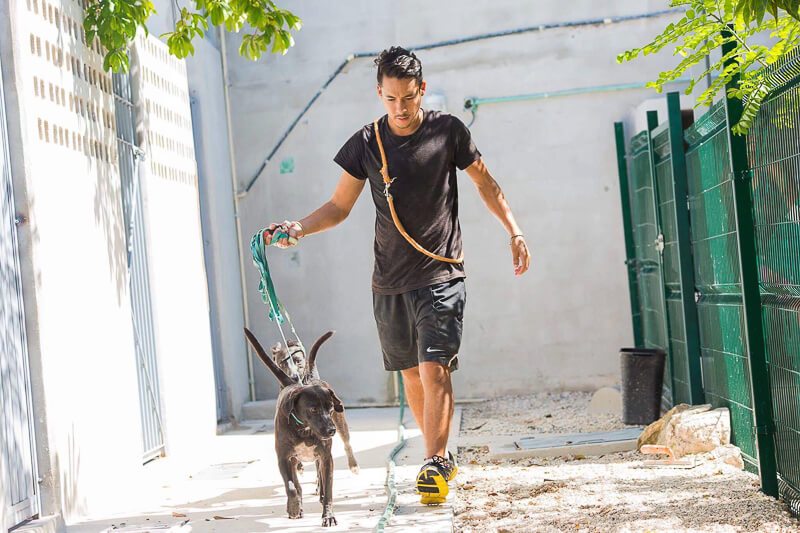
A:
{"x":402,"y":98}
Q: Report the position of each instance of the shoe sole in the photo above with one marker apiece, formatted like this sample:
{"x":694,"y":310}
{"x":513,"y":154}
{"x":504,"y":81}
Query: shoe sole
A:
{"x":432,"y":487}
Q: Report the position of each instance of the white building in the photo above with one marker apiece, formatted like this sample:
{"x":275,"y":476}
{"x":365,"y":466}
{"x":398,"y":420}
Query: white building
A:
{"x":121,"y":263}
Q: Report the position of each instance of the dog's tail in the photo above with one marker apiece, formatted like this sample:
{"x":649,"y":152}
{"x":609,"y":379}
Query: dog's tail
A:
{"x":312,"y":356}
{"x":284,"y":380}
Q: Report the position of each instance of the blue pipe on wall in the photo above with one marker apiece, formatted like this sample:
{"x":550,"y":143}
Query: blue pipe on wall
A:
{"x":440,"y":44}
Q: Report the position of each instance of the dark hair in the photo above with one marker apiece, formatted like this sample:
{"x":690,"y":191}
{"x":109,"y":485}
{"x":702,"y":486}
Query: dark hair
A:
{"x":397,"y":62}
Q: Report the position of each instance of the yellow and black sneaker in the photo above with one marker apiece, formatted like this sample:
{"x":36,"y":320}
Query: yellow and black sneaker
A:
{"x":432,"y":480}
{"x":454,"y":464}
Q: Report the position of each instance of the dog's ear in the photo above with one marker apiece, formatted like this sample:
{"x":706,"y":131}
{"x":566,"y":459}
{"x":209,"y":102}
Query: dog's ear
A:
{"x":312,"y":356}
{"x":280,"y":374}
{"x":291,"y":398}
{"x":337,"y":403}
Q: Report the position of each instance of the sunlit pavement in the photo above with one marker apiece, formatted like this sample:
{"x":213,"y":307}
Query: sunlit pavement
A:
{"x":239,"y":488}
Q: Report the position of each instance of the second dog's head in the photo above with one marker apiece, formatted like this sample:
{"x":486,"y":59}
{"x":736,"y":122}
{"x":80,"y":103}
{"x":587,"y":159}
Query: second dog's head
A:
{"x":310,"y":407}
{"x":291,"y":359}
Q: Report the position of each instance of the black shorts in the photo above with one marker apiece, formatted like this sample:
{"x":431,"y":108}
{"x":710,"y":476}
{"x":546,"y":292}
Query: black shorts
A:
{"x":421,"y":325}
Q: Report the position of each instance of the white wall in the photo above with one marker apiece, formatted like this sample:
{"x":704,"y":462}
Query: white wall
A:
{"x":75,"y":277}
{"x":220,"y":242}
{"x":561,"y":325}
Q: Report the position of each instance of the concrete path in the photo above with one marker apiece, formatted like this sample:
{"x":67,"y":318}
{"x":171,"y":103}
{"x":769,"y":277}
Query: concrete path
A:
{"x":239,"y":489}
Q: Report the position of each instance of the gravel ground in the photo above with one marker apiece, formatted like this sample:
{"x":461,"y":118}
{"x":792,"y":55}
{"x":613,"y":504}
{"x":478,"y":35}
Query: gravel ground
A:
{"x":608,"y":493}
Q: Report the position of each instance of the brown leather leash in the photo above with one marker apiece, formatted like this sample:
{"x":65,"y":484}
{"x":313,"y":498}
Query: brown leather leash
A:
{"x":387,"y":182}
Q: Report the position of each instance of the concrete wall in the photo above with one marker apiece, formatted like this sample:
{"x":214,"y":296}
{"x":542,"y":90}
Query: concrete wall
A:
{"x":75,"y":276}
{"x":206,"y":88}
{"x":561,"y":325}
{"x":219,"y":225}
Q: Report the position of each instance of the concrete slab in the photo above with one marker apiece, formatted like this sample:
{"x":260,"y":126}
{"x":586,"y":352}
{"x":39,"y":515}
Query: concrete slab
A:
{"x":238,"y":488}
{"x":585,"y":444}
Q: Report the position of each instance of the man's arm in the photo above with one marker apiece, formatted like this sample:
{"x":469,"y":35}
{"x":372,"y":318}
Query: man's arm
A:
{"x":495,"y":201}
{"x":327,"y":216}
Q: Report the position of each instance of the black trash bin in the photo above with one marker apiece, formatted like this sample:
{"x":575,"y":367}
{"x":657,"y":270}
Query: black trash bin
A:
{"x":642,"y":381}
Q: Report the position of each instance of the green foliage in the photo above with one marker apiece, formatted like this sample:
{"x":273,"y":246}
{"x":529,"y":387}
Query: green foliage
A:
{"x":730,"y":25}
{"x":115,"y":22}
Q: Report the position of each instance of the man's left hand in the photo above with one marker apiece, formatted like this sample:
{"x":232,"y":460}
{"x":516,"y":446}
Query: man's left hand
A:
{"x":521,"y":255}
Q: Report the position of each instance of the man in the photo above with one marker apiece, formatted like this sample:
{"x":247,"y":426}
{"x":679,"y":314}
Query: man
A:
{"x":418,"y":298}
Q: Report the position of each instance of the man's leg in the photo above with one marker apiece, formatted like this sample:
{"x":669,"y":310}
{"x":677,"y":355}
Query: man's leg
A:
{"x":429,"y":393}
{"x":415,"y":395}
{"x":438,"y":407}
{"x":437,"y":413}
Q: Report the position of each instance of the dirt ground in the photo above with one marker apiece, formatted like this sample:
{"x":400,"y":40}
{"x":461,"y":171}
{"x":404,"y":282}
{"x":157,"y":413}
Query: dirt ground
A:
{"x":608,"y":493}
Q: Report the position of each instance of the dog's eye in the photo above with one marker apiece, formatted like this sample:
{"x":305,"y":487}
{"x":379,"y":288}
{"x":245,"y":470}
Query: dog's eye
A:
{"x":313,"y":410}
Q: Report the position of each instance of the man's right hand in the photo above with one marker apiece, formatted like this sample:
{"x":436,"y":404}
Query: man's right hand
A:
{"x":292,"y":232}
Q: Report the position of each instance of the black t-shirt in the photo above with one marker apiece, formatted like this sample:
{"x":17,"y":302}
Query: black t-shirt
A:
{"x":425,"y":197}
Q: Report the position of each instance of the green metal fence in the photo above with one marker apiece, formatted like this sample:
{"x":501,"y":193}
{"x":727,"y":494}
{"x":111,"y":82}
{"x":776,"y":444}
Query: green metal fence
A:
{"x":723,"y":350}
{"x":715,"y":227}
{"x":774,"y":175}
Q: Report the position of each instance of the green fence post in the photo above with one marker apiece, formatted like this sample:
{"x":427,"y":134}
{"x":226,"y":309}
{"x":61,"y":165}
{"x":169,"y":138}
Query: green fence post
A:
{"x":686,"y":266}
{"x":627,"y":224}
{"x":759,"y":371}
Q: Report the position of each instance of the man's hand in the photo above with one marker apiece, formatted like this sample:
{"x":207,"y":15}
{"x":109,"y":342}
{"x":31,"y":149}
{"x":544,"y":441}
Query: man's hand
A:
{"x":292,"y":232}
{"x":521,"y":255}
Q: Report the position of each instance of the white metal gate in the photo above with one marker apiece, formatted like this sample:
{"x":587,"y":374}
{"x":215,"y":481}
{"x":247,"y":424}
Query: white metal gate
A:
{"x":18,"y":489}
{"x":141,"y":304}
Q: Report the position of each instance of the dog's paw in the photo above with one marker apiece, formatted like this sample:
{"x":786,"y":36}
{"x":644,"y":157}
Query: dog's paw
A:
{"x":329,"y":521}
{"x":294,"y":509}
{"x":354,"y":468}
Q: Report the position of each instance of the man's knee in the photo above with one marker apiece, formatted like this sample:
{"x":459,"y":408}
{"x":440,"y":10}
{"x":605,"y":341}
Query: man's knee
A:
{"x":434,"y":373}
{"x":411,"y":373}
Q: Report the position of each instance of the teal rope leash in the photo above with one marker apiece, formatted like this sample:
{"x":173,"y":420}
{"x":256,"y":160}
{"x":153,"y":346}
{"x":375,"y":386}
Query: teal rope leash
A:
{"x":390,"y":484}
{"x":277,"y":312}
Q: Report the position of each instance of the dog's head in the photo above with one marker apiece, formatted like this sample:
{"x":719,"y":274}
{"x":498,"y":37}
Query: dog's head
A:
{"x":291,"y":359}
{"x":310,"y":407}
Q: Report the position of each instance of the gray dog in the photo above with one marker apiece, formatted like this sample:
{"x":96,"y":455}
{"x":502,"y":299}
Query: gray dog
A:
{"x":292,"y":360}
{"x":303,"y":432}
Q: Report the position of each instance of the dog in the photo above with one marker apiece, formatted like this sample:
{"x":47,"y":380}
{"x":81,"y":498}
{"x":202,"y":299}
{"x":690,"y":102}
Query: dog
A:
{"x":304,"y":430}
{"x":292,"y":360}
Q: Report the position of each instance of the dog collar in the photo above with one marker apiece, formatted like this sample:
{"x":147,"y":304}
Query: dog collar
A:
{"x":297,"y":420}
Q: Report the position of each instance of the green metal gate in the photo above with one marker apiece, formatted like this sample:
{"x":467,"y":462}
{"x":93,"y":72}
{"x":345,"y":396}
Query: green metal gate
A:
{"x":648,"y":245}
{"x":659,"y":219}
{"x":679,"y":279}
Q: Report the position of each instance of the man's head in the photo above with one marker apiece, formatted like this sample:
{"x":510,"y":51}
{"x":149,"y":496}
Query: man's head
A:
{"x":400,"y":87}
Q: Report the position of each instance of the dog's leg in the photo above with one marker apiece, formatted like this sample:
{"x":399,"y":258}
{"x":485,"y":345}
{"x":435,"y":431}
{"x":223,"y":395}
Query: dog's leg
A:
{"x":294,"y":494}
{"x":344,"y":432}
{"x":326,"y":488}
{"x":318,"y":489}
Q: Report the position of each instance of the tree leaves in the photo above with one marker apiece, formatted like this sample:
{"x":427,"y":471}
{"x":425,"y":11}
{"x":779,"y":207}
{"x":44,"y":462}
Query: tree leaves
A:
{"x":709,"y":24}
{"x":115,"y":23}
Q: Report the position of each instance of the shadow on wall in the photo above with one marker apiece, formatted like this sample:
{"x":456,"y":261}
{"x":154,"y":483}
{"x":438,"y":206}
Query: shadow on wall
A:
{"x":97,"y":143}
{"x":73,"y":504}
